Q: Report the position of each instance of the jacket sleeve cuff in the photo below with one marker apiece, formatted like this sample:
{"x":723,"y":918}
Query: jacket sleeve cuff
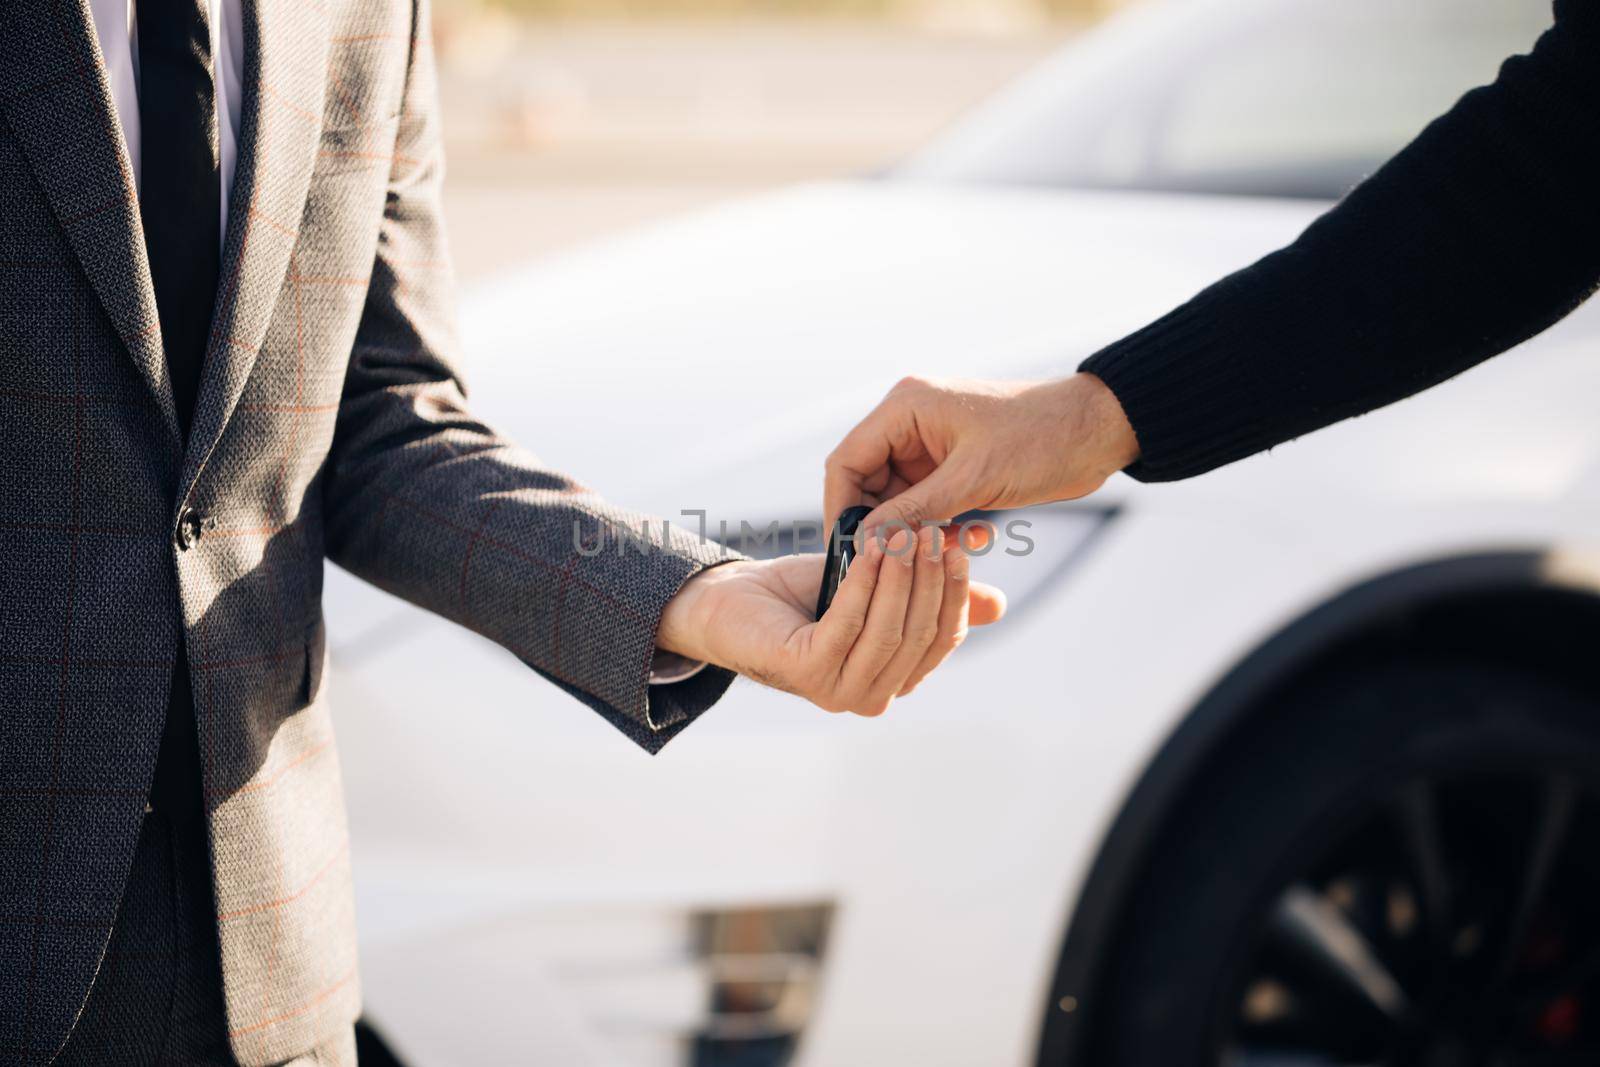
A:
{"x":669,"y":668}
{"x":606,"y":661}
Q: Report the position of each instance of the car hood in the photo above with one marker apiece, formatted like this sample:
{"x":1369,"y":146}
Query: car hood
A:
{"x":710,"y":362}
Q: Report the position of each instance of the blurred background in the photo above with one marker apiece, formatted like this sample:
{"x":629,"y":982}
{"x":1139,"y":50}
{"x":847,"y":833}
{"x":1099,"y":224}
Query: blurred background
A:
{"x":570,"y":119}
{"x":697,"y":239}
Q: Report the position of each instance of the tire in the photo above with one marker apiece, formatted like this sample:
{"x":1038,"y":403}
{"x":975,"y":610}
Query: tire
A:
{"x":1397,"y":865}
{"x":371,"y":1049}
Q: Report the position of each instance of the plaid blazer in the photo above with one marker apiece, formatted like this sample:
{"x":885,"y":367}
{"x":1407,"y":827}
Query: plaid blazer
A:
{"x":330,"y":422}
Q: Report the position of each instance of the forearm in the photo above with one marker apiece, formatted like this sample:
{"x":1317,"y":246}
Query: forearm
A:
{"x":1480,"y":234}
{"x":470,"y":528}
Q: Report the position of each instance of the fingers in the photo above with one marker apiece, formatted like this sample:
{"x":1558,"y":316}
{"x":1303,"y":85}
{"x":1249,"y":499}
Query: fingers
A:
{"x":951,"y":628}
{"x":971,"y":536}
{"x":942,"y":495}
{"x":921,"y":624}
{"x":864,"y":453}
{"x":985,"y":604}
{"x":880,"y":637}
{"x":885,"y":453}
{"x":842,"y":623}
{"x":900,"y":611}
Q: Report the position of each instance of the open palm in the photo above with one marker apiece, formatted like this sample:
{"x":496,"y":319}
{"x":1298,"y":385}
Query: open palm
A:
{"x":899,"y":612}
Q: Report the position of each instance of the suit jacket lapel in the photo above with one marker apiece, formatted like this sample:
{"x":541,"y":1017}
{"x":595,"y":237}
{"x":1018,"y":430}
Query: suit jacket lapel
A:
{"x":59,"y":106}
{"x":286,"y":49}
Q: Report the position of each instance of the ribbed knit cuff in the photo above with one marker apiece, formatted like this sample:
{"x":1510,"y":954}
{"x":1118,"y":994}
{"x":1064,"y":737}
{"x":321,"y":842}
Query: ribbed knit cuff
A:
{"x":1180,"y":384}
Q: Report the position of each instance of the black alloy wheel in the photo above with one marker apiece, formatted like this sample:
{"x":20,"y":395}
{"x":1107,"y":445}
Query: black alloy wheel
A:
{"x":1455,"y":925}
{"x":1401,"y":868}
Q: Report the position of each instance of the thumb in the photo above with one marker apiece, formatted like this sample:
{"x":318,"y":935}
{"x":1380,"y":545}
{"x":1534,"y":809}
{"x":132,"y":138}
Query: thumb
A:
{"x":939,"y":497}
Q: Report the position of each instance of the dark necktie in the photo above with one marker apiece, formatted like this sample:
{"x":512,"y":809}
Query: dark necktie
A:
{"x":180,"y":191}
{"x":179,"y":200}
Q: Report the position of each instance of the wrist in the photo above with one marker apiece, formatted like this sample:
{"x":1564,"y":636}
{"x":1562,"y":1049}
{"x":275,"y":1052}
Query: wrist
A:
{"x":679,"y":631}
{"x":685,"y":622}
{"x":1119,"y":445}
{"x":1099,"y":438}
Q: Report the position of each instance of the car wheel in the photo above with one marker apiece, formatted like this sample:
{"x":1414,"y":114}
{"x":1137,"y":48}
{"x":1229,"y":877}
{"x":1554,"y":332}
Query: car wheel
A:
{"x":1397,"y":866}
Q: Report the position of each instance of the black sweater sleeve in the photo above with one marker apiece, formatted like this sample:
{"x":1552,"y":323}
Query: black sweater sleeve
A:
{"x":1482,"y":232}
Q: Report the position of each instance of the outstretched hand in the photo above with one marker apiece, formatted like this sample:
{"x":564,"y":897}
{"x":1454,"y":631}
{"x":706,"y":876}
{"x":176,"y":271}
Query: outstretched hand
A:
{"x":900,"y":610}
{"x":933,"y":449}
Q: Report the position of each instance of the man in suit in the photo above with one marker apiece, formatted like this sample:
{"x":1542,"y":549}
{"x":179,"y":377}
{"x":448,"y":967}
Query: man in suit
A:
{"x":225,"y":354}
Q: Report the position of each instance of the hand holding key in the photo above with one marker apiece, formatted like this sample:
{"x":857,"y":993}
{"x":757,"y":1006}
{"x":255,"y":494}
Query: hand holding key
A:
{"x":903,"y":606}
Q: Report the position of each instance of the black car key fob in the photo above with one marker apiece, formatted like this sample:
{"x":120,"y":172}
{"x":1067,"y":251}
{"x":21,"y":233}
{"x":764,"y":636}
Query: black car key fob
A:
{"x":841,"y":553}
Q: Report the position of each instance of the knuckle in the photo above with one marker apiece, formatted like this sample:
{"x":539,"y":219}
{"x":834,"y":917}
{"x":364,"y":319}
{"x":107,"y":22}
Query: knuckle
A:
{"x":836,"y":642}
{"x":886,"y":641}
{"x":909,"y":514}
{"x":834,"y":664}
{"x":823,"y":696}
{"x":844,"y":644}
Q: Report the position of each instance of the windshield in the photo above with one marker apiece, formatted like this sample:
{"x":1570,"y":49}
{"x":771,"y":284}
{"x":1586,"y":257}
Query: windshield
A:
{"x":1252,"y":97}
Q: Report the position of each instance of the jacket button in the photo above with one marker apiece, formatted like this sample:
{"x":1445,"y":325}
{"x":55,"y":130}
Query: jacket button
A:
{"x":189,"y":526}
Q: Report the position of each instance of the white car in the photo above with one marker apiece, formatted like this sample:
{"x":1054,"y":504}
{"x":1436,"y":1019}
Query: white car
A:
{"x":1291,"y":764}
